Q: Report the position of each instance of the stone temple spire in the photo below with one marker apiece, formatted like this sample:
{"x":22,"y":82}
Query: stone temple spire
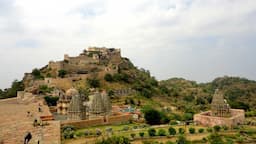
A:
{"x":76,"y":110}
{"x":219,"y":106}
{"x":97,"y":106}
{"x":106,"y":103}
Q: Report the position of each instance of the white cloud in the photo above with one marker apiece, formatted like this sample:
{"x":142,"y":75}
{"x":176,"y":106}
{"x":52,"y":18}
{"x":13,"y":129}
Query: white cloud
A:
{"x":195,"y":39}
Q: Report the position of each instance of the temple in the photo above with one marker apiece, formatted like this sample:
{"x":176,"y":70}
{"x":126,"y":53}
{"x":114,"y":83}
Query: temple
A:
{"x":219,"y":105}
{"x":220,"y":113}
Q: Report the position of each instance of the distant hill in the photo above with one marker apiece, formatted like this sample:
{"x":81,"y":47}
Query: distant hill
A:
{"x":239,"y":92}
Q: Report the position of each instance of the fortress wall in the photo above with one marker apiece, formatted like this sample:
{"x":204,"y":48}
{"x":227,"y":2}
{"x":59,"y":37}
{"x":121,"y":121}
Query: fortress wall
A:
{"x":207,"y":120}
{"x":119,"y":119}
{"x":98,"y":121}
{"x":61,"y":83}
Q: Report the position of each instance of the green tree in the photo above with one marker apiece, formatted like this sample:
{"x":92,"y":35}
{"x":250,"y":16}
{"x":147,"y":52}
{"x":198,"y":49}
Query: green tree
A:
{"x":37,"y":74}
{"x":141,"y":134}
{"x":151,"y":132}
{"x":115,"y":140}
{"x":181,"y":140}
{"x":133,"y":135}
{"x":181,"y":130}
{"x":216,"y":128}
{"x":51,"y":101}
{"x":152,"y":116}
{"x":192,"y":130}
{"x":172,"y":131}
{"x":108,"y":77}
{"x":215,"y":138}
{"x":161,"y":132}
{"x":201,"y":130}
{"x":93,"y":82}
{"x":62,"y":73}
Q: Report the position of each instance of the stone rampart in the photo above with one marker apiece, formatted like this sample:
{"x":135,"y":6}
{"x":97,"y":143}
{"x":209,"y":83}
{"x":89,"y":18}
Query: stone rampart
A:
{"x":205,"y":118}
{"x":99,"y":121}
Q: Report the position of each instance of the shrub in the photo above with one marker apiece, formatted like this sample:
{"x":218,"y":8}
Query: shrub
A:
{"x":152,"y":116}
{"x":141,"y":134}
{"x":151,"y":132}
{"x":133,"y":135}
{"x":62,"y":73}
{"x":98,"y":132}
{"x":181,"y":140}
{"x":51,"y":101}
{"x":225,"y":127}
{"x":201,"y":130}
{"x":108,"y":77}
{"x":181,"y":130}
{"x":217,"y":128}
{"x":94,"y":83}
{"x":209,"y":129}
{"x":215,"y":138}
{"x":161,"y":132}
{"x":172,"y":131}
{"x":37,"y":74}
{"x":192,"y":130}
{"x":125,"y":128}
{"x":115,"y":140}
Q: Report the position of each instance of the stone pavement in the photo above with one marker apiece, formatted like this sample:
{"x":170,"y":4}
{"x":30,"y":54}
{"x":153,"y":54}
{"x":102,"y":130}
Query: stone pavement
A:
{"x":15,"y":123}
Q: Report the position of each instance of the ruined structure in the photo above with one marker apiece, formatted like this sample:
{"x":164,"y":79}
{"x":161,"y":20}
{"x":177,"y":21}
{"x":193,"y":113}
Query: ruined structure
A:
{"x":64,"y":100}
{"x":92,"y":61}
{"x":220,"y":113}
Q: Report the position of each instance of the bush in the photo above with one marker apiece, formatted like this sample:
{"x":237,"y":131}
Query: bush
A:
{"x":115,"y":140}
{"x":108,"y":77}
{"x":161,"y":132}
{"x":201,"y":130}
{"x":94,"y":83}
{"x":192,"y":130}
{"x":152,"y":116}
{"x":151,"y":132}
{"x":133,"y":135}
{"x":51,"y":101}
{"x":141,"y":134}
{"x":209,"y":129}
{"x":37,"y":74}
{"x":181,"y":130}
{"x":181,"y":140}
{"x":172,"y":131}
{"x":215,"y":138}
{"x":62,"y":73}
{"x":98,"y":132}
{"x":225,"y":127}
{"x":217,"y":128}
{"x":125,"y":128}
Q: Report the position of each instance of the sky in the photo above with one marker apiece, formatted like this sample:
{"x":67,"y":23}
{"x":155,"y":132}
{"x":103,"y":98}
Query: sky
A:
{"x":195,"y":39}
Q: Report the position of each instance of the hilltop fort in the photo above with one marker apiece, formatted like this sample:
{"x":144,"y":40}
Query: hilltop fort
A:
{"x":61,"y":74}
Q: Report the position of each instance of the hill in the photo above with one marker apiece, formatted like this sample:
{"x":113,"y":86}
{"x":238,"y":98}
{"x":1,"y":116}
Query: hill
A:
{"x":104,"y":69}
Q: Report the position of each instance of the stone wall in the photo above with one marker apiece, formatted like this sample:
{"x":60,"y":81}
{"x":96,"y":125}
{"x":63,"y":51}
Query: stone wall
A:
{"x":206,"y":119}
{"x":99,"y":121}
{"x":61,"y":83}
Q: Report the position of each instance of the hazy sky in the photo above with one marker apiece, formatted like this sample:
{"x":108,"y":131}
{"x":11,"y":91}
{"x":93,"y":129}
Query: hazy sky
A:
{"x":194,"y":39}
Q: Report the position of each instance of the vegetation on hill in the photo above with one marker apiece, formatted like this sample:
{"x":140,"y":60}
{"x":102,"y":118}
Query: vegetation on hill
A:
{"x":239,"y":92}
{"x":12,"y":92}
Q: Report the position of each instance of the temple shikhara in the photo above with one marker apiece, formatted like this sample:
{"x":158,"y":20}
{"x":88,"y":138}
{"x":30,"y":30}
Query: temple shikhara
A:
{"x":220,"y":113}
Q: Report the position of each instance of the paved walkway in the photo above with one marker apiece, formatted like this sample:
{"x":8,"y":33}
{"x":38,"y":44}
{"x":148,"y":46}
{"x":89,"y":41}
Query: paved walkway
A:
{"x":15,"y":123}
